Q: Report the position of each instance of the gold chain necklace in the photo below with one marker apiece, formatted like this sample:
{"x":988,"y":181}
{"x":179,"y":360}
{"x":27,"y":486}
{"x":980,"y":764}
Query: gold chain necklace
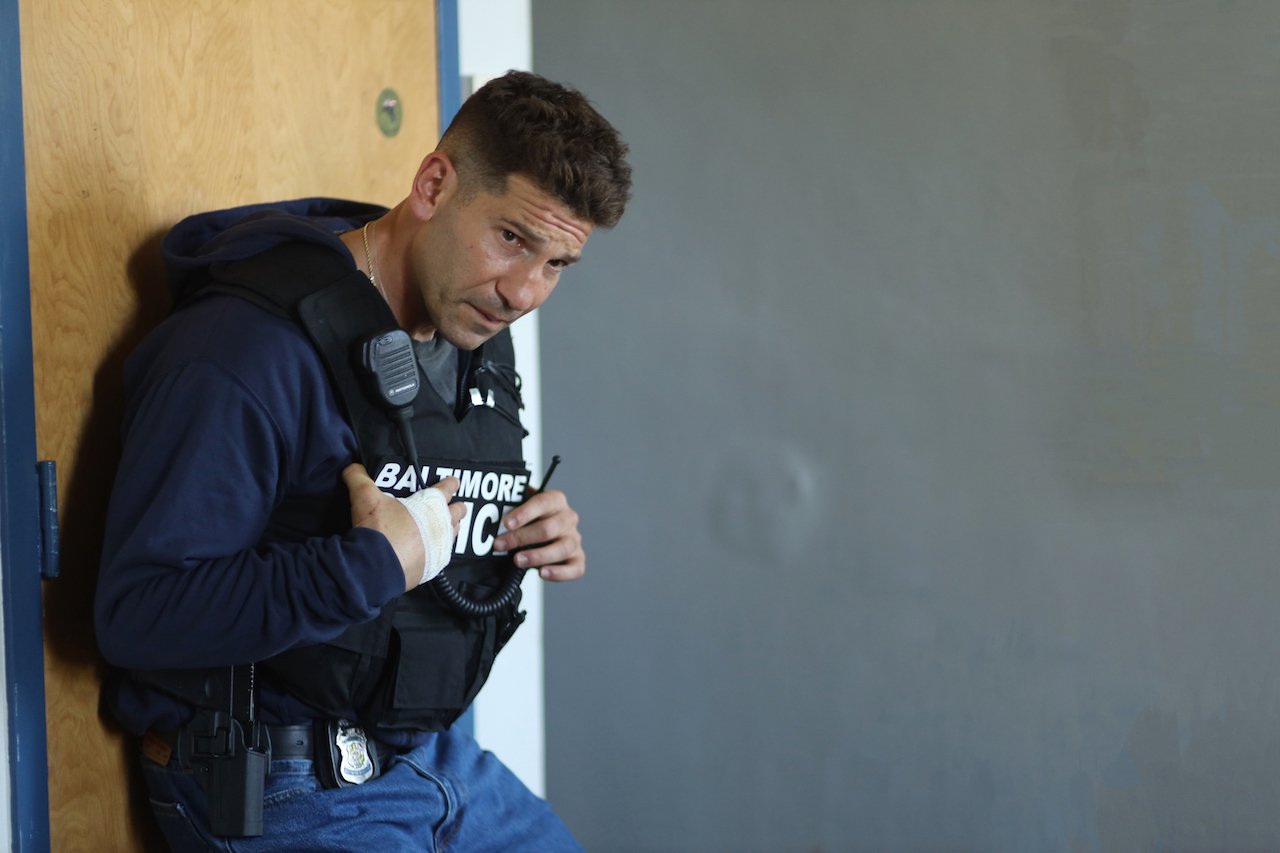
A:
{"x":371,"y":262}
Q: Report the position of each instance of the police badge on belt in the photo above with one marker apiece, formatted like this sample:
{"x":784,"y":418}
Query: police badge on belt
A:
{"x":344,"y":755}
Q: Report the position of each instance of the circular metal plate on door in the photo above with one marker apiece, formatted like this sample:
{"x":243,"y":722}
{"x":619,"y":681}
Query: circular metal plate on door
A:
{"x":390,"y":112}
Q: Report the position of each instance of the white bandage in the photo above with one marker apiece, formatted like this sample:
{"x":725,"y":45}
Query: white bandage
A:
{"x":430,"y":513}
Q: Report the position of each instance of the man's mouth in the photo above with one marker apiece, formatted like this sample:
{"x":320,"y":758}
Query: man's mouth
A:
{"x":490,"y":319}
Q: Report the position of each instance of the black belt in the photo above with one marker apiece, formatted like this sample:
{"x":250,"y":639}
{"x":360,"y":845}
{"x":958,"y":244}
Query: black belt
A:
{"x":291,"y":741}
{"x":299,"y":742}
{"x":288,"y":742}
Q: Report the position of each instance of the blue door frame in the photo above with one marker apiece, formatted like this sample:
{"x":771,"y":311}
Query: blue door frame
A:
{"x":19,"y":523}
{"x":19,"y":532}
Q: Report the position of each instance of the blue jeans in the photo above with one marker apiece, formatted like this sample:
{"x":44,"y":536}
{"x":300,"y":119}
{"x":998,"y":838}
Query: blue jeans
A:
{"x":447,"y":794}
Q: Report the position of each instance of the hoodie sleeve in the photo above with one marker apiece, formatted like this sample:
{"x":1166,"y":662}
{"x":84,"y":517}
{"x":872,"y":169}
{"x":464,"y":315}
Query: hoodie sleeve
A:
{"x":229,"y":412}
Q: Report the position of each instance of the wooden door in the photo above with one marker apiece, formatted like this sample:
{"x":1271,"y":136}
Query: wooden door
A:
{"x":137,"y":113}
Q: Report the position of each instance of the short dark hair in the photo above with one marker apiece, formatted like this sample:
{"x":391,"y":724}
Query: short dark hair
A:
{"x":523,"y":124}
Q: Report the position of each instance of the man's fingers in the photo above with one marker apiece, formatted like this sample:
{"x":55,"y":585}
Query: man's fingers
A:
{"x":570,"y":570}
{"x":541,"y":504}
{"x":540,"y":530}
{"x":550,"y":553}
{"x":449,"y":485}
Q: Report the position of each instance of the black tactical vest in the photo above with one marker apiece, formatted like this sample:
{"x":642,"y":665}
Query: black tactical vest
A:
{"x":421,"y":662}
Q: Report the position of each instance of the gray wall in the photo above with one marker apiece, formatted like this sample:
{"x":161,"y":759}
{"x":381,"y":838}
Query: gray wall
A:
{"x":924,"y":413}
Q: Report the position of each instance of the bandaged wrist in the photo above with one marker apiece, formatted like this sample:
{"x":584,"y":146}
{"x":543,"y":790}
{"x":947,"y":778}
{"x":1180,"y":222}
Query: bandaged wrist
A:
{"x":430,"y":513}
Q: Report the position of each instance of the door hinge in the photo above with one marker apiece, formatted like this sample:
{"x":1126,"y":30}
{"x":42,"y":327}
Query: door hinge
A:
{"x":47,"y":544}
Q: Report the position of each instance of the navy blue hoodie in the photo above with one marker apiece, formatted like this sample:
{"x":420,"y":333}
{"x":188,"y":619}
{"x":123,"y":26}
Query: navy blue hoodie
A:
{"x":229,"y":410}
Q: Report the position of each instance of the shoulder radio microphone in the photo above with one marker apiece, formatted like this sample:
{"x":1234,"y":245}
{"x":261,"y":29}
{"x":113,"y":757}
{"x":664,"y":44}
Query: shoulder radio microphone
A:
{"x":389,"y":362}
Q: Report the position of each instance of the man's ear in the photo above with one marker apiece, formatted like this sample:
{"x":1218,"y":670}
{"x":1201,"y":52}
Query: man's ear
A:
{"x":434,"y":184}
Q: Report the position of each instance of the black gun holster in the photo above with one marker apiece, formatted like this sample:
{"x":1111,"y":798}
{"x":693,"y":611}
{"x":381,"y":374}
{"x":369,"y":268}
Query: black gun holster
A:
{"x":231,"y":763}
{"x":223,"y":744}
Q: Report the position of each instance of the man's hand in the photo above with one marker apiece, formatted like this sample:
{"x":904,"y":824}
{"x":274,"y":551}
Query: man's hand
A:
{"x":547,"y":521}
{"x":373,"y":508}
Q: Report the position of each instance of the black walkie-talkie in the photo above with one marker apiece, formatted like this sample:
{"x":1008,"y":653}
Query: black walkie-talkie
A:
{"x":389,"y":361}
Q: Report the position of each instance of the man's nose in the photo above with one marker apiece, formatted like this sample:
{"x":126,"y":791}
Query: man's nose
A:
{"x":521,"y":289}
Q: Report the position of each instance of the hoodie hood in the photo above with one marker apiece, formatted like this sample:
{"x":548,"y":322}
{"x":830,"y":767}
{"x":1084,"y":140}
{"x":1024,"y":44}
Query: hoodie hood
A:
{"x":242,"y":232}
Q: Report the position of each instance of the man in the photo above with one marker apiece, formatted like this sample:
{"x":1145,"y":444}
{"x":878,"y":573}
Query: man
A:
{"x":292,"y":649}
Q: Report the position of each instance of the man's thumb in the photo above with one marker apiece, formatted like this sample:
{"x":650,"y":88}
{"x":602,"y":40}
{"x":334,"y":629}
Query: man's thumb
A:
{"x":355,"y":476}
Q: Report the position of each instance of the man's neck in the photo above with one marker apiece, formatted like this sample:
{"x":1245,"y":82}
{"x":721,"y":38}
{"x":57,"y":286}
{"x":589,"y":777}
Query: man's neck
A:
{"x":381,"y":250}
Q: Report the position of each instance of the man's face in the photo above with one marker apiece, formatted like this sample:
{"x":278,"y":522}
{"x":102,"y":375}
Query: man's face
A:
{"x":482,"y":263}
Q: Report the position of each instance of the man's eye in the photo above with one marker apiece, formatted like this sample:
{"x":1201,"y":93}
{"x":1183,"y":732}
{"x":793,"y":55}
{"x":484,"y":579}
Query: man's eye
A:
{"x":509,"y":236}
